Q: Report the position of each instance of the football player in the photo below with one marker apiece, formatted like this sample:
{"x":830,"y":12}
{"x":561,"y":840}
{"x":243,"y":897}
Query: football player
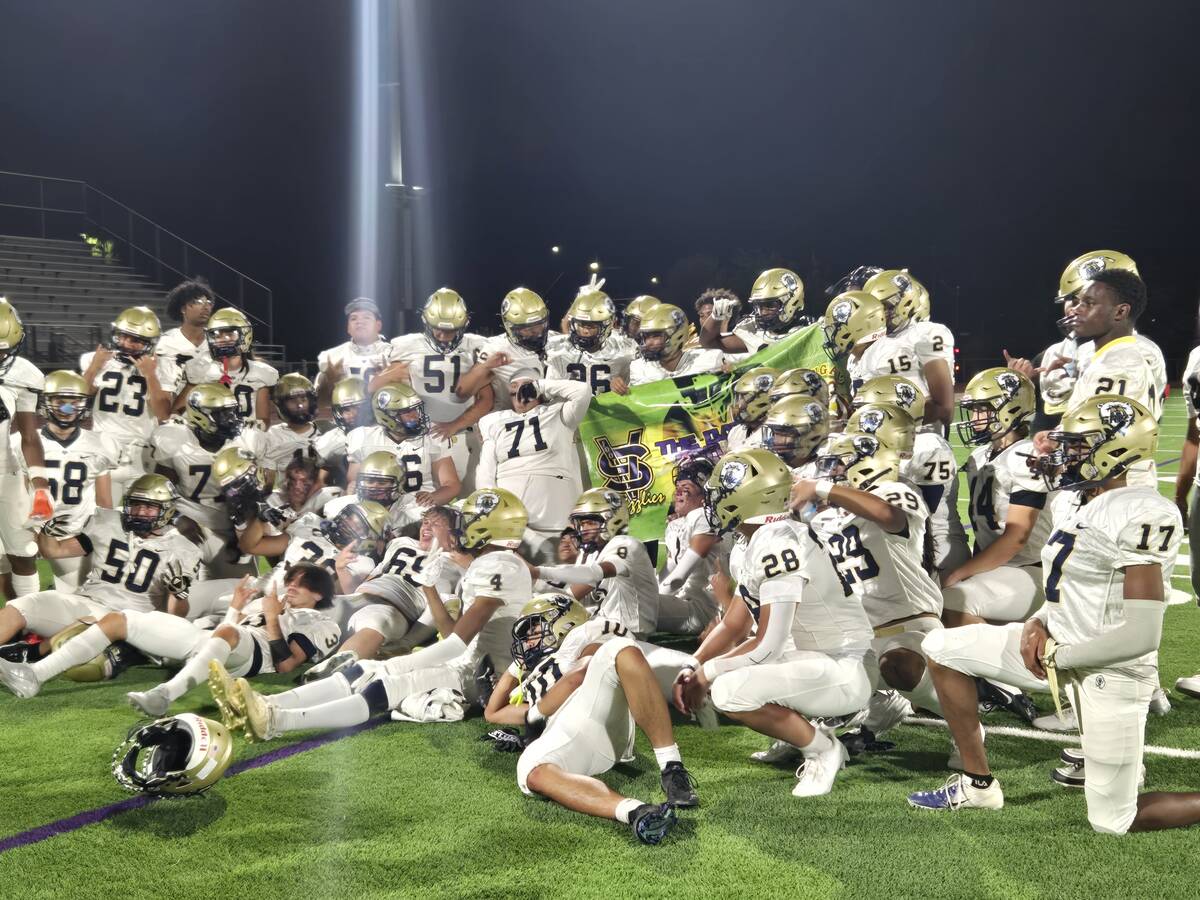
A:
{"x":705,"y":302}
{"x":588,"y":716}
{"x":590,"y":351}
{"x":855,"y":325}
{"x":231,"y":346}
{"x":140,"y":561}
{"x":190,"y":304}
{"x":526,"y":321}
{"x":488,"y":524}
{"x":402,"y":428}
{"x":615,"y":568}
{"x":530,"y":449}
{"x":633,"y":313}
{"x":751,"y":398}
{"x":380,"y":478}
{"x":260,"y":635}
{"x":661,"y":353}
{"x":902,"y":296}
{"x":433,"y":363}
{"x":351,"y":405}
{"x":805,"y":658}
{"x":366,"y":352}
{"x":795,"y":427}
{"x":295,"y":400}
{"x":686,"y":603}
{"x":1107,"y":570}
{"x":777,"y":304}
{"x":133,"y":390}
{"x":78,"y":463}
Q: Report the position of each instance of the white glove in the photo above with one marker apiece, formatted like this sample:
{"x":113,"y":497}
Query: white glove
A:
{"x":431,"y":567}
{"x":593,"y":285}
{"x":724,"y":308}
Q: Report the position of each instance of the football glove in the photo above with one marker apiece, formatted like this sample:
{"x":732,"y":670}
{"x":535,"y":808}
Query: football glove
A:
{"x":724,"y":308}
{"x":57,"y":527}
{"x":505,"y":740}
{"x":175,"y":580}
{"x":431,"y":567}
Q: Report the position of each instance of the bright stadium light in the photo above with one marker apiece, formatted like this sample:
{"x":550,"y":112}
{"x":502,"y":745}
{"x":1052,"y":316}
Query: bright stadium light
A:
{"x":555,"y":249}
{"x":654,"y":279}
{"x":594,"y":266}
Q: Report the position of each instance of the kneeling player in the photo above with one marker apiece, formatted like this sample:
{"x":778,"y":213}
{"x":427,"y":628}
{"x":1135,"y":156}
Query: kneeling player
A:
{"x":1107,"y":570}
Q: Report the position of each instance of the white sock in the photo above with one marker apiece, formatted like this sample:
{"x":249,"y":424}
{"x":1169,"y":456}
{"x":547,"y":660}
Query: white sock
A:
{"x":625,"y":809}
{"x":335,"y":687}
{"x":924,"y":694}
{"x":819,"y":744}
{"x":666,"y":755}
{"x":341,"y":713}
{"x":195,"y":670}
{"x":74,"y":652}
{"x":26,"y":584}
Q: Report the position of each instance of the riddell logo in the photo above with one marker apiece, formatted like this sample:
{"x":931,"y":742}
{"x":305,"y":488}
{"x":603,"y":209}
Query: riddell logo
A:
{"x":625,"y":468}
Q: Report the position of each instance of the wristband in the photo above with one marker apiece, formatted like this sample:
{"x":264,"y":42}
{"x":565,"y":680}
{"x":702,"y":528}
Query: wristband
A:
{"x":37,"y":472}
{"x":279,"y":650}
{"x":823,"y":487}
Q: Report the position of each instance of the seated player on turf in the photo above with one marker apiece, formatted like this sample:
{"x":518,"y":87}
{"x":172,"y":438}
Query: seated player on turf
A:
{"x":1107,"y":569}
{"x":261,"y":634}
{"x":805,"y":658}
{"x":587,"y":691}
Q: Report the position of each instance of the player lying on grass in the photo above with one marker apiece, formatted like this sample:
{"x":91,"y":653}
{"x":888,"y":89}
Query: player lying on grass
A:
{"x":1107,"y":567}
{"x":582,"y":685}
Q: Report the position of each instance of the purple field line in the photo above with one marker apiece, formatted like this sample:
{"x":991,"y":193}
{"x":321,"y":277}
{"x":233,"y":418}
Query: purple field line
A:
{"x":99,"y":814}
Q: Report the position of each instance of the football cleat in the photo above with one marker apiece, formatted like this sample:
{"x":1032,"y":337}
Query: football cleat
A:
{"x":1070,"y":774}
{"x":779,"y":751}
{"x":1189,"y":686}
{"x":1160,"y":704}
{"x":652,"y":823}
{"x":330,"y":665}
{"x":154,"y":702}
{"x":958,"y":793}
{"x":885,"y":711}
{"x":678,"y":785}
{"x":19,"y":678}
{"x":27,"y":652}
{"x":862,"y":740}
{"x":259,"y":724}
{"x":1051,"y":721}
{"x":993,"y":696}
{"x":817,"y":773}
{"x":225,"y":695}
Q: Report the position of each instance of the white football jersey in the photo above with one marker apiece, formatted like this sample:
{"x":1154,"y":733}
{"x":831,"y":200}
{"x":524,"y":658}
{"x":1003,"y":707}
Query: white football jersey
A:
{"x":281,"y":445}
{"x":20,"y":388}
{"x":1084,"y":559}
{"x":540,"y":441}
{"x":307,"y":543}
{"x":997,"y":481}
{"x":176,"y":448}
{"x":677,"y":540}
{"x":884,"y":569}
{"x":393,"y":579}
{"x":534,"y":685}
{"x":312,"y":630}
{"x":1122,"y":367}
{"x":72,"y":467}
{"x":631,"y":599}
{"x":122,"y":400}
{"x":740,"y":437}
{"x":756,"y":338}
{"x":126,"y":567}
{"x":355,"y":359}
{"x":330,"y":446}
{"x":518,"y":359}
{"x":400,"y":513}
{"x":931,"y":340}
{"x":416,"y":455}
{"x":691,"y":362}
{"x":565,"y":361}
{"x":435,"y":375}
{"x":1191,"y":389}
{"x":245,"y":382}
{"x":892,"y":354}
{"x":932,"y":465}
{"x":175,"y":346}
{"x":501,"y":575}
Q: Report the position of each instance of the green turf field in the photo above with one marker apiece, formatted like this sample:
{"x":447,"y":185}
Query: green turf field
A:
{"x":429,"y":811}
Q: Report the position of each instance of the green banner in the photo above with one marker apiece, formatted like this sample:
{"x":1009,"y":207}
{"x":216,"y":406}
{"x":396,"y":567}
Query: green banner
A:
{"x":632,"y":442}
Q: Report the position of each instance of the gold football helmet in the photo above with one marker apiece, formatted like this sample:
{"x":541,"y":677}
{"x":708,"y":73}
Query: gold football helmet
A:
{"x":606,"y":505}
{"x":295,"y":399}
{"x":1083,"y":269}
{"x":183,"y":754}
{"x":663,"y":331}
{"x":350,"y":403}
{"x":858,"y":459}
{"x":751,"y":395}
{"x":895,"y":428}
{"x":229,"y":333}
{"x":852,"y":318}
{"x":12,"y":335}
{"x":795,"y":427}
{"x":238,"y":475}
{"x":101,"y":667}
{"x":635,"y":310}
{"x":542,"y":626}
{"x":800,"y":382}
{"x":748,"y":486}
{"x":1099,"y":439}
{"x":526,"y":319}
{"x":593,"y":312}
{"x":894,"y":389}
{"x":996,"y":402}
{"x":489,"y":516}
{"x":777,"y":298}
{"x":134,"y":333}
{"x":66,"y":400}
{"x":363,"y":523}
{"x":900,"y":293}
{"x":445,"y":310}
{"x":212,"y":412}
{"x":379,"y":478}
{"x":154,"y":491}
{"x":400,"y":410}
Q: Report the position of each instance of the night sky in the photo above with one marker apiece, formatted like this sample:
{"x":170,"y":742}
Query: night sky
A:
{"x":982,"y":145}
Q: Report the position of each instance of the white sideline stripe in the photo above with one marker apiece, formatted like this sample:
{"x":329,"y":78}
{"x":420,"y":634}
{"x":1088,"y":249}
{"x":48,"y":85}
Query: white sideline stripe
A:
{"x":1052,"y":737}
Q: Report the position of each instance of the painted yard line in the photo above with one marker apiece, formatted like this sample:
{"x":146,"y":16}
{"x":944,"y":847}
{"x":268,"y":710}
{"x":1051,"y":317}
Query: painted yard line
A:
{"x":1052,"y":737}
{"x":92,"y":816}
